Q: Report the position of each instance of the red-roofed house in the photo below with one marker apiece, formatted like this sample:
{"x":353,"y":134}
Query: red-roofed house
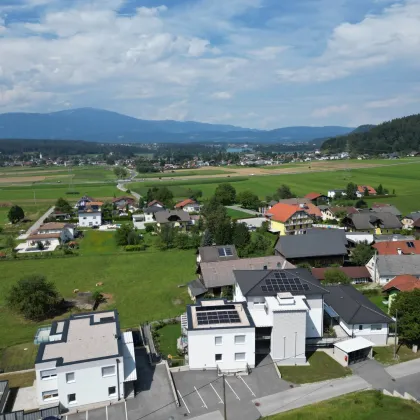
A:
{"x":361,"y":190}
{"x":291,"y":219}
{"x":402,"y":283}
{"x":398,"y":247}
{"x":314,"y":197}
{"x":189,"y":205}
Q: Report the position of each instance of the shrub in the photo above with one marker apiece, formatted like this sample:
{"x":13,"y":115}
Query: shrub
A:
{"x":150,"y":228}
{"x":132,"y":248}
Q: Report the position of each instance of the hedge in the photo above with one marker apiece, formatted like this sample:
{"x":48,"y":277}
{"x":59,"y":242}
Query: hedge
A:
{"x":131,"y":248}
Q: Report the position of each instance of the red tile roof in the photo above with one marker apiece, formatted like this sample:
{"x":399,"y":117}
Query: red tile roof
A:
{"x":352,"y":272}
{"x":403,"y":283}
{"x":128,"y":199}
{"x":282,"y":212}
{"x":313,"y":195}
{"x":391,"y":247}
{"x":184,"y":203}
{"x":361,"y":189}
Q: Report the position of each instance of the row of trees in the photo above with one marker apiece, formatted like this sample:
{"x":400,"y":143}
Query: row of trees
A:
{"x":226,"y":195}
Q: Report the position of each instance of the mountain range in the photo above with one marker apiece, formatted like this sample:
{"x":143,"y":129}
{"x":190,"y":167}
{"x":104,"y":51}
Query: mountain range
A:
{"x":99,"y":125}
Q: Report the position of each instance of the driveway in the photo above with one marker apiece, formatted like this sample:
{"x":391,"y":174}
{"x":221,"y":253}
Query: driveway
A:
{"x":374,"y":373}
{"x":36,"y":225}
{"x":239,"y":208}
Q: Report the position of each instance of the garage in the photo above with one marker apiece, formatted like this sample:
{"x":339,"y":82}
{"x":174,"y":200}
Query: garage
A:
{"x":353,"y":350}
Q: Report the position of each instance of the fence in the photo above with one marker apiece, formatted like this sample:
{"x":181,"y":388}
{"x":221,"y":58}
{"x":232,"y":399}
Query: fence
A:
{"x":46,"y":413}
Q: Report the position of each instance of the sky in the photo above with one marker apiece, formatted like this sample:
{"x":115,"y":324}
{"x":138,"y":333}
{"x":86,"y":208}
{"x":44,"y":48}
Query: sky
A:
{"x":253,"y":63}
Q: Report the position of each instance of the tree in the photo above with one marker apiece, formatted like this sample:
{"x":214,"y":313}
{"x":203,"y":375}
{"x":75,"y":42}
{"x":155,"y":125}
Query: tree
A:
{"x":366,"y":192}
{"x":15,"y":214}
{"x":225,"y":193}
{"x":259,"y":246}
{"x":351,"y":190}
{"x":380,"y":189}
{"x":214,"y":213}
{"x":361,"y":254}
{"x":107,"y":211}
{"x":248,"y":200}
{"x":207,"y":239}
{"x":194,"y":194}
{"x":120,"y":172}
{"x":166,"y":237}
{"x":142,"y":203}
{"x":336,"y":276}
{"x":162,"y":194}
{"x":224,"y":232}
{"x":408,"y":306}
{"x":63,"y":206}
{"x":40,"y":246}
{"x":133,"y":238}
{"x":182,"y":241}
{"x":34,"y":297}
{"x":121,"y":234}
{"x":10,"y":242}
{"x":241,"y":236}
{"x":284,"y":192}
{"x":361,"y":204}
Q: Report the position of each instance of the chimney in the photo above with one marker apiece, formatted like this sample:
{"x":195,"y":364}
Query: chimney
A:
{"x":399,"y":251}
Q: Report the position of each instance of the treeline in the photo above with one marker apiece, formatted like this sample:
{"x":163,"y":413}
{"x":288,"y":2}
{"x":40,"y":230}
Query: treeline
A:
{"x":399,"y":135}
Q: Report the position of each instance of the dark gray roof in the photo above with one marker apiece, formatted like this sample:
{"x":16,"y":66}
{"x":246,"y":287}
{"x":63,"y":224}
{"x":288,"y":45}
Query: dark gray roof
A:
{"x":369,"y":220}
{"x":153,"y":209}
{"x":250,"y":281}
{"x":387,"y":209}
{"x":272,"y":203}
{"x":394,"y":265}
{"x":197,"y":288}
{"x":172,"y":216}
{"x":211,"y":253}
{"x":414,"y":215}
{"x":353,"y":307}
{"x":316,"y":243}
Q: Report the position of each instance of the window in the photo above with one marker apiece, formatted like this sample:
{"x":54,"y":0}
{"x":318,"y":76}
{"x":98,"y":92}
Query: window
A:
{"x":70,"y":377}
{"x":48,"y":374}
{"x":94,"y":217}
{"x":50,"y":395}
{"x":71,"y":398}
{"x":239,"y":339}
{"x":112,"y":391}
{"x":218,"y":340}
{"x":108,"y":371}
{"x":410,"y":244}
{"x":360,"y":327}
{"x":376,"y":327}
{"x":218,"y":357}
{"x":225,"y":252}
{"x":239,"y":357}
{"x":84,"y":218}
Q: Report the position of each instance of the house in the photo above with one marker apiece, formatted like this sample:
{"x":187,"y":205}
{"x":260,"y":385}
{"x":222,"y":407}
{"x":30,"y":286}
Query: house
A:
{"x":361,"y":189}
{"x":286,"y":307}
{"x":215,"y":275}
{"x":416,"y":226}
{"x":402,"y":283}
{"x":372,"y":222}
{"x":354,"y":238}
{"x":393,"y":237}
{"x":59,"y":215}
{"x":50,"y":236}
{"x":384,"y":268}
{"x":315,"y":197}
{"x":189,"y":205}
{"x":334,"y":193}
{"x":221,"y":335}
{"x":91,"y":214}
{"x":386,"y":208}
{"x":336,"y":213}
{"x":216,"y":253}
{"x":67,"y":231}
{"x":317,"y":247}
{"x":356,"y":314}
{"x":409,"y":247}
{"x":177,"y":218}
{"x":155,"y":203}
{"x":86,"y":360}
{"x":357,"y":274}
{"x":82,"y":202}
{"x":148,"y":216}
{"x":124,"y":201}
{"x":408,"y":221}
{"x":290,"y":219}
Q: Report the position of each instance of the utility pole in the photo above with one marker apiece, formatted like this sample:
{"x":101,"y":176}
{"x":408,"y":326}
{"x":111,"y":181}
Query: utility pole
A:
{"x":224,"y":399}
{"x":396,"y":334}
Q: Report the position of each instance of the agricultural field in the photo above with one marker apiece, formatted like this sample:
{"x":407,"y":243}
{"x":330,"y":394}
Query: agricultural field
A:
{"x":182,"y":172}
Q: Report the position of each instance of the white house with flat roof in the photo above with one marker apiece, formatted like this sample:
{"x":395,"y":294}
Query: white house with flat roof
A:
{"x":86,"y":360}
{"x":221,"y":335}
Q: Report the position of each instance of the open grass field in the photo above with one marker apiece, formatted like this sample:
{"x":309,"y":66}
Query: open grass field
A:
{"x":385,"y":355}
{"x":237,"y":214}
{"x":182,"y":172}
{"x":321,"y":368}
{"x":367,"y":405}
{"x":96,"y":242}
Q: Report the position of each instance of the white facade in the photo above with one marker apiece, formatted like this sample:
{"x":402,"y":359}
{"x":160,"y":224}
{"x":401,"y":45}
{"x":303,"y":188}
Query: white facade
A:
{"x":192,"y":208}
{"x":332,"y":193}
{"x":377,"y":333}
{"x":91,"y":218}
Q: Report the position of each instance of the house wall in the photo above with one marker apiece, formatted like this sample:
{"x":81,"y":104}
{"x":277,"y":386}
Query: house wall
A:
{"x":237,"y":294}
{"x":202,"y":348}
{"x":288,"y":337}
{"x":407,"y":223}
{"x":89,"y":385}
{"x":379,"y":337}
{"x":90,"y":219}
{"x":315,"y":316}
{"x":278,"y":227}
{"x":340,"y":356}
{"x":4,"y":396}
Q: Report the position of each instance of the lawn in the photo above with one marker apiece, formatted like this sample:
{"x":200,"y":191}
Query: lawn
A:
{"x":142,"y":287}
{"x":19,"y":380}
{"x":385,"y":355}
{"x":237,"y":214}
{"x":378,"y":301}
{"x":167,"y":339}
{"x":367,"y":405}
{"x":322,"y":367}
{"x":96,"y":242}
{"x":179,"y":173}
{"x":18,"y":357}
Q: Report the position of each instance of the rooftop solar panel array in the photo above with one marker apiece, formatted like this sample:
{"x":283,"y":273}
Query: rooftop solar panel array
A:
{"x":280,"y":283}
{"x":225,"y":252}
{"x":218,"y":317}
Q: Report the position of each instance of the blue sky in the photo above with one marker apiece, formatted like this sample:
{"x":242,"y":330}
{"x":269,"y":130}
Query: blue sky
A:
{"x":254,"y":63}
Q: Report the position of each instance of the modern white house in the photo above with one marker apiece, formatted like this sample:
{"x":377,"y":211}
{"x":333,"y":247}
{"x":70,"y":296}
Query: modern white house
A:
{"x":333,"y":193}
{"x":189,"y":205}
{"x":91,"y":214}
{"x":85,"y":360}
{"x":383,"y":268}
{"x":286,"y":307}
{"x":50,"y":235}
{"x":221,"y":335}
{"x":356,"y":314}
{"x":67,"y":231}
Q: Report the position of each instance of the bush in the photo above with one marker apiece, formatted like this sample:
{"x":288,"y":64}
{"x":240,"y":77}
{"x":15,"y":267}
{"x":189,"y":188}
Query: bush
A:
{"x":150,"y":228}
{"x":132,"y":248}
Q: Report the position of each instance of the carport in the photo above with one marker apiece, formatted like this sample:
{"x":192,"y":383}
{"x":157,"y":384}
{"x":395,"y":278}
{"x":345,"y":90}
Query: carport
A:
{"x":353,"y":350}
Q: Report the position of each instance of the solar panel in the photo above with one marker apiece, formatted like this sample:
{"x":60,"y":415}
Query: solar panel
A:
{"x":218,"y":317}
{"x":225,"y":252}
{"x":228,"y":252}
{"x":221,"y":252}
{"x":280,"y":283}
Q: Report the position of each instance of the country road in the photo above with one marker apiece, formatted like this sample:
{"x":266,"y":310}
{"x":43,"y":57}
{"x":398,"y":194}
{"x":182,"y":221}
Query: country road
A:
{"x":37,"y":224}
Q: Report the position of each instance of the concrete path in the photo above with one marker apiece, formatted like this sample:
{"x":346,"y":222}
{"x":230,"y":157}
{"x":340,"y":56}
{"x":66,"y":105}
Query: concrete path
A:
{"x":404,"y":369}
{"x":309,"y":394}
{"x":37,"y":224}
{"x":239,"y":208}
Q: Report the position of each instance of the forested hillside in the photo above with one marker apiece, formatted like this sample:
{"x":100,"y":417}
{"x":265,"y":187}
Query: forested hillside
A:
{"x":399,"y":135}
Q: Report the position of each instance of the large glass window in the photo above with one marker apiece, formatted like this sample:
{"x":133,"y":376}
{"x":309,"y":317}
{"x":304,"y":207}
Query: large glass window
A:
{"x":108,"y":371}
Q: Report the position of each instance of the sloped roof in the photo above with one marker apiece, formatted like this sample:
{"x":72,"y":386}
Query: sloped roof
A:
{"x":196,"y":288}
{"x":403,"y":283}
{"x":347,"y":209}
{"x":391,"y":247}
{"x":153,"y":209}
{"x":52,"y":226}
{"x":251,"y":281}
{"x":38,"y":236}
{"x":164,"y":216}
{"x":394,"y":265}
{"x":154,"y":202}
{"x":211,"y":253}
{"x":415,"y":215}
{"x":124,"y":197}
{"x":367,"y":220}
{"x":352,"y":272}
{"x":184,"y":203}
{"x":316,"y":243}
{"x":353,"y":307}
{"x":361,"y":189}
{"x":282,"y":212}
{"x":313,"y":195}
{"x":385,"y":208}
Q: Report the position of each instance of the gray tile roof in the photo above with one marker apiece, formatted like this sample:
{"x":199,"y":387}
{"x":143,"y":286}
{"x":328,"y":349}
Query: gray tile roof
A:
{"x":387,"y":209}
{"x":368,"y":220}
{"x":172,"y":216}
{"x":250,"y":281}
{"x":394,"y":265}
{"x":197,"y":288}
{"x":414,"y":215}
{"x":153,"y":209}
{"x":316,"y":243}
{"x":392,"y":237}
{"x":353,"y":307}
{"x":220,"y":273}
{"x":211,"y":253}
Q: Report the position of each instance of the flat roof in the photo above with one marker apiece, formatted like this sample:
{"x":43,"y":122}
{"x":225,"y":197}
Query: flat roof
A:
{"x":354,"y":344}
{"x":85,"y":337}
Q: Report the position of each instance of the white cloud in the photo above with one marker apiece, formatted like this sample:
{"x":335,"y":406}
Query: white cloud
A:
{"x":329,"y":110}
{"x":392,"y":102}
{"x":221,"y":95}
{"x":268,"y":53}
